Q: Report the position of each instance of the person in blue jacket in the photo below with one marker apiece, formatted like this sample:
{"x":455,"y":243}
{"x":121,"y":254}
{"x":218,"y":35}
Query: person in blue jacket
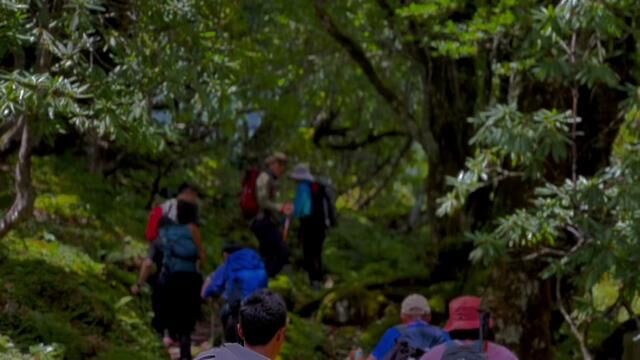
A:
{"x":242,"y":273}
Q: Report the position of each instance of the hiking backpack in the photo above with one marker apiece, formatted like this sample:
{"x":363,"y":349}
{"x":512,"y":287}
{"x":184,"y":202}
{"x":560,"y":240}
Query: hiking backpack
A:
{"x":248,"y":197}
{"x":323,"y":204}
{"x":179,"y":248}
{"x":412,"y":344}
{"x":153,"y":224}
{"x":474,"y":351}
{"x":457,"y":351}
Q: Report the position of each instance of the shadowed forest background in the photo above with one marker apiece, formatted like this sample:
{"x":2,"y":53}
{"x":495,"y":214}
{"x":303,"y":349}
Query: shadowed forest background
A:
{"x":485,"y":147}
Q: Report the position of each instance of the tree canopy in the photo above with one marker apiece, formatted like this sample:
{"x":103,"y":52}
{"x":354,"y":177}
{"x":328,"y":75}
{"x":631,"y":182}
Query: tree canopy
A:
{"x":499,"y":138}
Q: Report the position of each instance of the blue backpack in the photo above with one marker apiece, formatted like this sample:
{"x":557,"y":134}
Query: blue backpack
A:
{"x":180,"y":251}
{"x":414,"y":341}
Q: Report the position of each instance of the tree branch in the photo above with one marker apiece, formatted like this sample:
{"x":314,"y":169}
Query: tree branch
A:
{"x":586,"y":355}
{"x":392,"y":173}
{"x":423,"y":135}
{"x":369,"y":140}
{"x":23,"y":204}
{"x":358,"y":55}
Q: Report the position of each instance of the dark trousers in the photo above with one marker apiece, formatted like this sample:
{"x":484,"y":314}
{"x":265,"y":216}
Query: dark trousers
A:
{"x":181,"y":307}
{"x":230,"y":316}
{"x":272,"y":248}
{"x":312,"y":237}
{"x":156,"y":304}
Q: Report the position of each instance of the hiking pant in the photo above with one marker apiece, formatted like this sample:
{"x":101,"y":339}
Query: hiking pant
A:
{"x":157,"y":322}
{"x":230,"y":317}
{"x":272,"y":248}
{"x":156,"y":255}
{"x":181,"y":307}
{"x":312,"y":237}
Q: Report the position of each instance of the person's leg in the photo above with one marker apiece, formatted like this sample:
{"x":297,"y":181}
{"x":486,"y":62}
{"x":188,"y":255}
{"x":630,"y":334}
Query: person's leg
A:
{"x":260,"y":229}
{"x":185,"y":346}
{"x":315,"y":238}
{"x":156,"y":304}
{"x":188,"y":306}
{"x":307,"y":250}
{"x":273,"y":250}
{"x":168,"y":305}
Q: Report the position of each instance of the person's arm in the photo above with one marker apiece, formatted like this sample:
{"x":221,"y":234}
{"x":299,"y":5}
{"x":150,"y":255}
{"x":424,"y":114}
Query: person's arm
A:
{"x":262,"y":194}
{"x":197,"y":239}
{"x":215,"y":284}
{"x":386,"y":344}
{"x":146,"y":268}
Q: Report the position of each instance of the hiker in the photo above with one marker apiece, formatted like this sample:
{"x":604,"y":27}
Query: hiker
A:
{"x":267,"y":223}
{"x":165,"y":213}
{"x":180,"y":279}
{"x":414,"y":337}
{"x":309,"y":210}
{"x":263,"y":321}
{"x":470,"y":327}
{"x":241,"y":274}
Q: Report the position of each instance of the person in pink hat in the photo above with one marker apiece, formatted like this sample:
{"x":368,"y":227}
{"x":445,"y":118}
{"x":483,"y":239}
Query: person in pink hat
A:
{"x":470,"y":328}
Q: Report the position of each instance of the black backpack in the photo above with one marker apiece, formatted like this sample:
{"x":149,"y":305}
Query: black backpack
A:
{"x":323,"y":204}
{"x":412,"y":344}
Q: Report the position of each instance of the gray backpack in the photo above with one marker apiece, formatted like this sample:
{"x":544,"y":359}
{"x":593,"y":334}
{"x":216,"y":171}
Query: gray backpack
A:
{"x":457,"y":351}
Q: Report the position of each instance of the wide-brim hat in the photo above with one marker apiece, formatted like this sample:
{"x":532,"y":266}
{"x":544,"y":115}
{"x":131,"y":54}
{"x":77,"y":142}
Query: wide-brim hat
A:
{"x":464,"y":314}
{"x":301,"y":172}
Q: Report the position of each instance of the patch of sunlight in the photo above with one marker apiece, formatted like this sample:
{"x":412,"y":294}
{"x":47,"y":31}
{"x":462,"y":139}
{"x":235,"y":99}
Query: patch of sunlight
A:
{"x":605,"y":293}
{"x":54,"y":253}
{"x":65,"y":206}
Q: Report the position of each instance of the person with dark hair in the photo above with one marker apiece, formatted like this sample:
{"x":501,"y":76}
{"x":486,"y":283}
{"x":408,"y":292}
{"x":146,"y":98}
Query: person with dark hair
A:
{"x":267,"y":223}
{"x":161,"y":215}
{"x":180,"y":278}
{"x":263,"y":323}
{"x":241,"y":274}
{"x":470,"y":327}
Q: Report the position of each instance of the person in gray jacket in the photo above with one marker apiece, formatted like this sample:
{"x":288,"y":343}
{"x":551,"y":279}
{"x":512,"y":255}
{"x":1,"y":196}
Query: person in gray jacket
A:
{"x":267,"y":226}
{"x":262,"y":327}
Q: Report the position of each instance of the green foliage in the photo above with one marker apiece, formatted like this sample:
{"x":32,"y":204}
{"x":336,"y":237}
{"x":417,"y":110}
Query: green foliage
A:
{"x":305,"y":339}
{"x":510,"y":145}
{"x":8,"y":351}
{"x":382,"y":258}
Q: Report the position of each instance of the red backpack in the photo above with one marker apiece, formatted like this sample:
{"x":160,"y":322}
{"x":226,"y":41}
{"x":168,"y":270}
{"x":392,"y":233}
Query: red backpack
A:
{"x":248,"y":197}
{"x":153,"y":224}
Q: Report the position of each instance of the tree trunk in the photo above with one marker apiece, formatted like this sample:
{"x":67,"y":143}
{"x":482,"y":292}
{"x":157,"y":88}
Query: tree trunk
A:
{"x":23,"y":204}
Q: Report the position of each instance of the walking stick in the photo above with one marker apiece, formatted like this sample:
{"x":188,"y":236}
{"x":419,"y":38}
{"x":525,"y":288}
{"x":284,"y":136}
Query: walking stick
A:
{"x":212,"y":324}
{"x":285,"y":232}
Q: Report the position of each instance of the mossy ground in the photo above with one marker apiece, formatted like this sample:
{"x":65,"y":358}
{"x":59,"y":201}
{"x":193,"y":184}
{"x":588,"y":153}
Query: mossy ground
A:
{"x":65,"y":274}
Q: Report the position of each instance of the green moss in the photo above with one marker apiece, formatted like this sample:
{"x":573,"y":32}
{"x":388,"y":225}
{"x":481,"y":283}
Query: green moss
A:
{"x":306,"y":340}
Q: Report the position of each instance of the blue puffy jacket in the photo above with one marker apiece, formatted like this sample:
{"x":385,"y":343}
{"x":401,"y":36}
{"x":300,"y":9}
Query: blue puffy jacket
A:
{"x":240,"y":276}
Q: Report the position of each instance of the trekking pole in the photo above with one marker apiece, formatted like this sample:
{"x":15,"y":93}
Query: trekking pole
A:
{"x":287,"y":225}
{"x":212,"y":323}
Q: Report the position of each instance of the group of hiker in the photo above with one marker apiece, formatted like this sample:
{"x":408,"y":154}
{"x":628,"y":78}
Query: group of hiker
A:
{"x":176,"y":256}
{"x":270,"y":220}
{"x":467,"y":335}
{"x":256,"y":317}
